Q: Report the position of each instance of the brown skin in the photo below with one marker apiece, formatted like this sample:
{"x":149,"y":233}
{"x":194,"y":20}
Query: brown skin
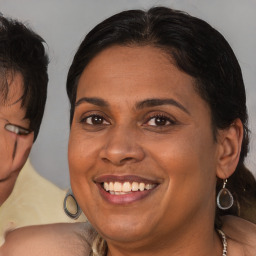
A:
{"x":11,"y":159}
{"x":66,"y":239}
{"x":180,"y":154}
{"x":72,"y":239}
{"x":241,"y":236}
{"x":47,"y":240}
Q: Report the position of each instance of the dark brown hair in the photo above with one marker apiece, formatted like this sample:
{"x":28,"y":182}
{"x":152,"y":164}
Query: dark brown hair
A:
{"x":23,"y":51}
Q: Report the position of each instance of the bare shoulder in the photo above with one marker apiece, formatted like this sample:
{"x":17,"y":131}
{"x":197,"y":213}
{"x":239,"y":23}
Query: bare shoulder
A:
{"x":241,"y":233}
{"x":52,"y":240}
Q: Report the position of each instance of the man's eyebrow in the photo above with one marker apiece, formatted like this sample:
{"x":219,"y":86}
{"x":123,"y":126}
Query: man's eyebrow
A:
{"x":159,"y":102}
{"x":95,"y":101}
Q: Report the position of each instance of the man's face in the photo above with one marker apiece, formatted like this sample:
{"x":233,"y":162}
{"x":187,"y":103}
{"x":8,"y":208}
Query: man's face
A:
{"x":14,"y":147}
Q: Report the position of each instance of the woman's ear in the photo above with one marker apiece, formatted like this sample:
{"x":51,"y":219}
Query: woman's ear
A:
{"x":230,"y":141}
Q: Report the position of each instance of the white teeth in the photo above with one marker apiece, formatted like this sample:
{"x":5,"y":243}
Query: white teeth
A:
{"x":135,"y":186}
{"x":110,"y":186}
{"x":149,"y":186}
{"x":126,"y":187}
{"x":118,"y":188}
{"x":106,"y":186}
{"x":142,"y":186}
{"x":117,"y":193}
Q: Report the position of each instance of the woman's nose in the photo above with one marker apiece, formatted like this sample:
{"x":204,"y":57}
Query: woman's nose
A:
{"x":122,"y":146}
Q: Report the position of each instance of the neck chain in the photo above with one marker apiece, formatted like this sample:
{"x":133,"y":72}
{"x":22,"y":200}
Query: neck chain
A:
{"x":224,"y":242}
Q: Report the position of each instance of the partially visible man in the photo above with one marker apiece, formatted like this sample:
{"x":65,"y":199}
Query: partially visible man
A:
{"x":23,"y":89}
{"x":23,"y":85}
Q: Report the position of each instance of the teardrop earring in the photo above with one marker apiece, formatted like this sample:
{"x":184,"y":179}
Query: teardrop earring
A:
{"x":225,"y":199}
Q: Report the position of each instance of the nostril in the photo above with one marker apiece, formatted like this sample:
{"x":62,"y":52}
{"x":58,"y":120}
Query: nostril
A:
{"x":119,"y":161}
{"x":127,"y":159}
{"x":104,"y":159}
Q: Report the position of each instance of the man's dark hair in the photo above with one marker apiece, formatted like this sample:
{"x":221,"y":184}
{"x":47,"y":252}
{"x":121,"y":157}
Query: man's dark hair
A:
{"x":22,"y":51}
{"x":198,"y":50}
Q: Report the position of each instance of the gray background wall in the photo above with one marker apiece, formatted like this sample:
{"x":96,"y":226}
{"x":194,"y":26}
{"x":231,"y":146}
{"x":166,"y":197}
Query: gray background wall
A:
{"x":63,"y":24}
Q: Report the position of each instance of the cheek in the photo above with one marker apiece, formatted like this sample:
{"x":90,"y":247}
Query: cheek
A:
{"x":82,"y":158}
{"x":188,"y":167}
{"x":77,"y":154}
{"x":7,"y":141}
{"x":187,"y":159}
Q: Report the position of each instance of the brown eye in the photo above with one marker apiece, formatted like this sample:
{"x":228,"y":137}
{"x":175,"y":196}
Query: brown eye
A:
{"x":94,"y":120}
{"x":159,"y":121}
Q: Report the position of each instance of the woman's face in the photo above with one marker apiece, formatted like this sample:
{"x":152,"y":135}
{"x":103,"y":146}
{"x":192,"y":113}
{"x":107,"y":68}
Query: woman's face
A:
{"x":141,"y":151}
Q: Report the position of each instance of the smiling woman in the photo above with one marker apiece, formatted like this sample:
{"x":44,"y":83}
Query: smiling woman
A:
{"x":157,"y":144}
{"x":158,"y":127}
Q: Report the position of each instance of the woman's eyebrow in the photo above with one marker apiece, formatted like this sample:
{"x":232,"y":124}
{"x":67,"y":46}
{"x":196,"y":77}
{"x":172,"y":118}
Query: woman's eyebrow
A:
{"x":142,"y":104}
{"x":95,"y":101}
{"x":159,"y":102}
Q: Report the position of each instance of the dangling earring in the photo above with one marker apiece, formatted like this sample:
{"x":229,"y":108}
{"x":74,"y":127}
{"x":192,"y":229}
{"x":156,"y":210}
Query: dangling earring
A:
{"x":225,"y":199}
{"x":70,"y":205}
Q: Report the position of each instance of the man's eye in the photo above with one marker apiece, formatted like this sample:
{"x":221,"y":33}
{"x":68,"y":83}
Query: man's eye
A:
{"x":94,"y":120}
{"x":159,"y":121}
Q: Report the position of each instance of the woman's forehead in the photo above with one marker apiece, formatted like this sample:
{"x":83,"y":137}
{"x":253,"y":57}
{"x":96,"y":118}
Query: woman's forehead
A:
{"x":123,"y":76}
{"x":122,"y":54}
{"x":140,"y":67}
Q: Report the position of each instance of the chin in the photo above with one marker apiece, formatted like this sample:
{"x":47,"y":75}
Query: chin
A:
{"x":123,"y":228}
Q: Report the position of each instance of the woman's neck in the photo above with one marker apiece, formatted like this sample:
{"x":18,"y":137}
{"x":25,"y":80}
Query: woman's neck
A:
{"x":197,"y":243}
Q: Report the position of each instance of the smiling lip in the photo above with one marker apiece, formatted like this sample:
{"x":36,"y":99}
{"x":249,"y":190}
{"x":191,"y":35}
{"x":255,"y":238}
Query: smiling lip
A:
{"x":124,"y":189}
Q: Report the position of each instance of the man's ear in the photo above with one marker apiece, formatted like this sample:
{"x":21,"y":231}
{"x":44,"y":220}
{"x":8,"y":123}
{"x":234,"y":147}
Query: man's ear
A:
{"x":230,"y":141}
{"x":22,"y":149}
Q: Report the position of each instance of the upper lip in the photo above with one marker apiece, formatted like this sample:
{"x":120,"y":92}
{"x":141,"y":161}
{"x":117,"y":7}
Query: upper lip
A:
{"x":123,"y":178}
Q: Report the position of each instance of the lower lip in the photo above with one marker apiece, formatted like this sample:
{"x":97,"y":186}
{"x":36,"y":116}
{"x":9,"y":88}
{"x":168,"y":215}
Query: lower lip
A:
{"x":126,"y":198}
